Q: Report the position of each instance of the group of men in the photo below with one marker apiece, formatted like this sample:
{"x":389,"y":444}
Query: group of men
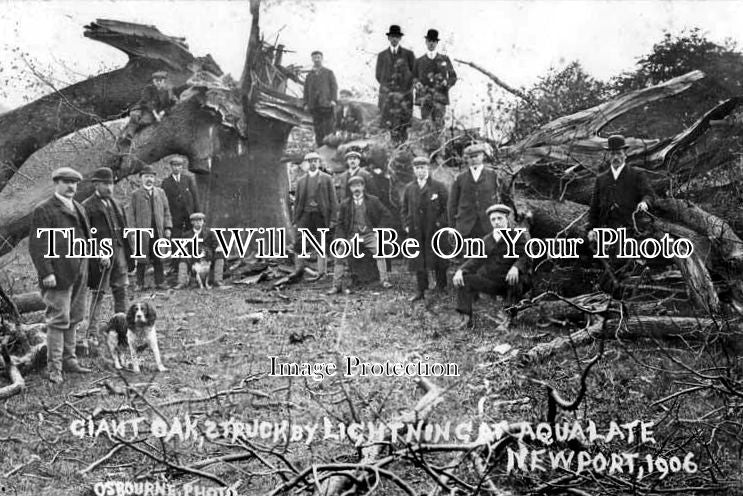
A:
{"x":170,"y":211}
{"x":404,"y":81}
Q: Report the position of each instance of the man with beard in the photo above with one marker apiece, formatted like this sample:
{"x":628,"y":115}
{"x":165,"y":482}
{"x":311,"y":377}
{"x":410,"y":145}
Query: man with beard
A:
{"x":423,"y":212}
{"x":320,"y":97}
{"x":62,"y":279}
{"x":109,"y":220}
{"x":359,"y":215}
{"x":494,"y":274}
{"x":394,"y":74}
{"x":150,"y":209}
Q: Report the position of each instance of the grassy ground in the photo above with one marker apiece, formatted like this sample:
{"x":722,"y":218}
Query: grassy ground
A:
{"x":212,"y":342}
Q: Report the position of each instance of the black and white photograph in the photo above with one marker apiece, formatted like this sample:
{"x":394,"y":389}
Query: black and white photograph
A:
{"x":371,"y":247}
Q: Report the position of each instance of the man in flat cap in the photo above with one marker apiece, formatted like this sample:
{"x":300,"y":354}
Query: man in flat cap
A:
{"x":109,"y":220}
{"x":433,"y":75}
{"x":183,"y":198}
{"x":150,"y":210}
{"x":394,"y":74}
{"x":618,"y":192}
{"x":423,"y":212}
{"x":349,"y":117}
{"x":472,"y":192}
{"x":314,"y":207}
{"x":156,"y":100}
{"x":353,"y":162}
{"x":63,"y":280}
{"x":359,"y":215}
{"x":494,"y":274}
{"x":210,"y":251}
{"x":320,"y":97}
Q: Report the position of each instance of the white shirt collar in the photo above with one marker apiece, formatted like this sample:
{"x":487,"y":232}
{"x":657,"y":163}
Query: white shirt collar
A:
{"x":476,"y":171}
{"x":422,"y":183}
{"x":177,"y":177}
{"x":67,"y":201}
{"x":497,"y":235}
{"x":150,"y":189}
{"x":432,"y":55}
{"x":616,"y":172}
{"x":313,"y":174}
{"x":394,"y":50}
{"x":358,"y":201}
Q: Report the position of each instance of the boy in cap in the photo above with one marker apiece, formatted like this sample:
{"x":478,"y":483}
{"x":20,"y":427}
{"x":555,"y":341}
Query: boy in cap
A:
{"x":320,"y":97}
{"x":109,"y":220}
{"x":423,"y":212}
{"x":62,"y":279}
{"x":157,"y":98}
{"x":433,"y":75}
{"x":359,"y":215}
{"x":494,"y":274}
{"x":150,"y":209}
{"x":394,"y":74}
{"x":210,"y":252}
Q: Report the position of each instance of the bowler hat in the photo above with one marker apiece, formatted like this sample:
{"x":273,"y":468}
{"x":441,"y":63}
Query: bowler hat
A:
{"x":312,"y":155}
{"x":197,"y":215}
{"x":356,"y":179}
{"x":160,"y":75}
{"x":67,"y":173}
{"x":616,"y":142}
{"x":421,"y":161}
{"x":432,"y":35}
{"x":498,"y":207}
{"x":395,"y":31}
{"x":103,"y":174}
{"x":147,"y":169}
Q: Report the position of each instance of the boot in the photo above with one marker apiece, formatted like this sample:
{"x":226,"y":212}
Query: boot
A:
{"x":218,"y":272}
{"x":69,"y":354}
{"x":182,"y":276}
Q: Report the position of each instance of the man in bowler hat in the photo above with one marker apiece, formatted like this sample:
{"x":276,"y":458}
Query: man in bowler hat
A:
{"x":63,"y":279}
{"x":109,"y":220}
{"x":433,"y":76}
{"x":394,"y":74}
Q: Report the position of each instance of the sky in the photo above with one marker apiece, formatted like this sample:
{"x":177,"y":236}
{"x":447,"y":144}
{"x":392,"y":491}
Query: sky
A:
{"x":516,"y":40}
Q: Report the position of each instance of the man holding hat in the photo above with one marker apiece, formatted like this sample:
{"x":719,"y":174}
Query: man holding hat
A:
{"x":320,"y":97}
{"x":394,"y":74}
{"x":433,"y":75}
{"x":157,"y":98}
{"x":353,"y":161}
{"x":495,"y":274}
{"x":62,"y":279}
{"x":359,"y":215}
{"x":150,"y":210}
{"x":314,"y":207}
{"x":109,"y":220}
{"x":211,"y":252}
{"x":618,"y":192}
{"x":423,"y":212}
{"x":472,"y":192}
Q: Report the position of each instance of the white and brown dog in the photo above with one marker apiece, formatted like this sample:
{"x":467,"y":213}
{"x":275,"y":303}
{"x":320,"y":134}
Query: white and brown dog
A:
{"x":200,"y":269}
{"x":131,"y":330}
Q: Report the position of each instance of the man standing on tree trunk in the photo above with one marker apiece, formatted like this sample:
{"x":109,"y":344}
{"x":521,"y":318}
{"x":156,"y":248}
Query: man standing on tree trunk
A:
{"x":423,"y":212}
{"x":150,"y":209}
{"x":63,"y":279}
{"x":109,"y":220}
{"x":320,"y":97}
{"x":395,"y":77}
{"x":314,"y":209}
{"x":433,"y":75}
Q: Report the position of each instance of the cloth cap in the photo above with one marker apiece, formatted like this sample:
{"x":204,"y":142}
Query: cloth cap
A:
{"x":177,"y":159}
{"x":312,"y":155}
{"x":353,"y":153}
{"x":356,"y":179}
{"x":316,"y":52}
{"x":197,"y":215}
{"x":160,"y":75}
{"x":103,"y":174}
{"x":147,"y":169}
{"x":616,"y":142}
{"x":475,"y":148}
{"x":421,"y":161}
{"x":66,"y":173}
{"x":498,"y":207}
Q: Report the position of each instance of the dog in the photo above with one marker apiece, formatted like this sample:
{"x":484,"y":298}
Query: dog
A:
{"x":130,"y":330}
{"x":200,"y":269}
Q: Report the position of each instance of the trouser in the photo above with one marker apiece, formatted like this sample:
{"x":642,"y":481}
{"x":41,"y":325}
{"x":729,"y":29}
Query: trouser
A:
{"x":421,"y":277}
{"x":474,"y":284}
{"x":156,"y":262}
{"x":322,"y":122}
{"x":117,"y":279}
{"x":138,"y":120}
{"x":434,"y":112}
{"x":312,"y":221}
{"x":180,"y":226}
{"x":65,"y":309}
{"x":396,"y":109}
{"x":368,"y":241}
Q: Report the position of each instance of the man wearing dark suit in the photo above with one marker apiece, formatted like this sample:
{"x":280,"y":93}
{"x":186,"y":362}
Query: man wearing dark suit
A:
{"x":471,"y":193}
{"x":109,"y":219}
{"x":320,"y":97}
{"x":314,"y":208}
{"x":423,"y":212}
{"x":618,"y":192}
{"x":494,"y":274}
{"x":353,"y":162}
{"x":183,"y":196}
{"x":157,"y":98}
{"x":63,"y":279}
{"x":349,"y":118}
{"x":394,"y":74}
{"x":433,"y":75}
{"x":359,"y":215}
{"x":150,"y":209}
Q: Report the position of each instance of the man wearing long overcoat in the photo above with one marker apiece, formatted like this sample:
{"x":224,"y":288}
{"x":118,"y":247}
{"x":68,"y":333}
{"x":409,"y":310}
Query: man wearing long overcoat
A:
{"x":394,"y":74}
{"x":423,"y":212}
{"x":320,"y":97}
{"x":433,"y":76}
